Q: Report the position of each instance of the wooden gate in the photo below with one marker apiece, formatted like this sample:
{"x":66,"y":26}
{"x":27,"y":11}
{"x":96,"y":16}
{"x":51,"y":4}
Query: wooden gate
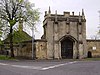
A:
{"x":67,"y":48}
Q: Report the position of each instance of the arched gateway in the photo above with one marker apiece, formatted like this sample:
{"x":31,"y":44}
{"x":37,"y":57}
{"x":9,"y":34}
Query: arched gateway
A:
{"x":67,"y":48}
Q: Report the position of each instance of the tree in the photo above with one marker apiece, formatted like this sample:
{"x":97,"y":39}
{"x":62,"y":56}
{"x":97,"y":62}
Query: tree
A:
{"x":13,"y":11}
{"x":1,"y":26}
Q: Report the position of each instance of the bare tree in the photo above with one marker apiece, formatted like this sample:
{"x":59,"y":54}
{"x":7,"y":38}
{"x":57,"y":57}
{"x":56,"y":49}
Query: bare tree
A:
{"x":12,"y":11}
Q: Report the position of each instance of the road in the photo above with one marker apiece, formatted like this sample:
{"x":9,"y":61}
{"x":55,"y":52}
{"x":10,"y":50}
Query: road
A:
{"x":53,"y":67}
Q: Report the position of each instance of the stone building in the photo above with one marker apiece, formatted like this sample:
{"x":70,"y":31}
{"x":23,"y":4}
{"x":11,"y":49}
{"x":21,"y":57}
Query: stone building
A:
{"x":64,"y":38}
{"x":93,"y":48}
{"x":65,"y":35}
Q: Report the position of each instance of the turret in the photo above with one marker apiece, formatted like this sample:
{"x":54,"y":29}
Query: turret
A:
{"x":79,"y":18}
{"x":56,"y":16}
{"x":83,"y":16}
{"x":49,"y":11}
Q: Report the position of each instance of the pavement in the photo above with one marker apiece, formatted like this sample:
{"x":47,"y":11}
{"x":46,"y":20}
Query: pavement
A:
{"x":49,"y":67}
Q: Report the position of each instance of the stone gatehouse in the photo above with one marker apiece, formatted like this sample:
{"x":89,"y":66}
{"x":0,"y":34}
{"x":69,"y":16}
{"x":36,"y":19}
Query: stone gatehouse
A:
{"x":65,"y":35}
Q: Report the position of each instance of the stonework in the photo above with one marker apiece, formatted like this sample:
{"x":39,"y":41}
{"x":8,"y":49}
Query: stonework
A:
{"x":64,"y":38}
{"x":65,"y":30}
{"x":41,"y":49}
{"x":93,"y":46}
{"x":24,"y":50}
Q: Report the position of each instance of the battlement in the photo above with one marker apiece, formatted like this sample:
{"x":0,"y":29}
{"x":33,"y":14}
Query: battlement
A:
{"x":66,"y":16}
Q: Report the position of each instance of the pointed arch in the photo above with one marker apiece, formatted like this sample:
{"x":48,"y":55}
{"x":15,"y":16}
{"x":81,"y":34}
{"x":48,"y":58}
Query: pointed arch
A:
{"x":67,"y":43}
{"x":69,"y":37}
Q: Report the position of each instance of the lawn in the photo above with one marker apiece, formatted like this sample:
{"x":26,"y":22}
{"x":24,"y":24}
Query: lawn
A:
{"x":4,"y":57}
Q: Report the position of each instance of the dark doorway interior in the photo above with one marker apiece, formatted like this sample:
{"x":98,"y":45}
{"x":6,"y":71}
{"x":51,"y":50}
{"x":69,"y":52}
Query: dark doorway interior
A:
{"x":67,"y":48}
{"x":89,"y":54}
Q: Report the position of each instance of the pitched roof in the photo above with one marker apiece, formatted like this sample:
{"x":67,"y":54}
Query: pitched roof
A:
{"x":19,"y":36}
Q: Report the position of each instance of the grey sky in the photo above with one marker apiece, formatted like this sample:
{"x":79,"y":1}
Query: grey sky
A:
{"x":91,"y":8}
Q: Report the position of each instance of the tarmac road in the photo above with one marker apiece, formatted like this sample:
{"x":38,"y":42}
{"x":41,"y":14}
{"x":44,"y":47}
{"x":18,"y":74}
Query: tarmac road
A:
{"x":51,"y":67}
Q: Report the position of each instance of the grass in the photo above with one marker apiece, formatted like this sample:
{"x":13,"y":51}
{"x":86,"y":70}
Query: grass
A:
{"x":93,"y":59}
{"x":87,"y":59}
{"x":4,"y":57}
{"x":84,"y":59}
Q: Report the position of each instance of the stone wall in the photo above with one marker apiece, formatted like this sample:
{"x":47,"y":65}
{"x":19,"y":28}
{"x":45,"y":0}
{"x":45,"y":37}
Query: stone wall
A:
{"x":93,"y":46}
{"x":24,"y":50}
{"x":41,"y":49}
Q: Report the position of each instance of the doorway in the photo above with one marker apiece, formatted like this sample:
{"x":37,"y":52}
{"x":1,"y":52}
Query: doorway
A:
{"x":89,"y":54}
{"x":67,"y":48}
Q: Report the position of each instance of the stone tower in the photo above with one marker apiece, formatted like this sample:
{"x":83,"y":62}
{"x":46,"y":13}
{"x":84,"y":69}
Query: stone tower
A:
{"x":65,"y":35}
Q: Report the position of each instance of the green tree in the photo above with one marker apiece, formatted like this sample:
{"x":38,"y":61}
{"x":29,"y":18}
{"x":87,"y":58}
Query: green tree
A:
{"x":12,"y":11}
{"x":2,"y":29}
